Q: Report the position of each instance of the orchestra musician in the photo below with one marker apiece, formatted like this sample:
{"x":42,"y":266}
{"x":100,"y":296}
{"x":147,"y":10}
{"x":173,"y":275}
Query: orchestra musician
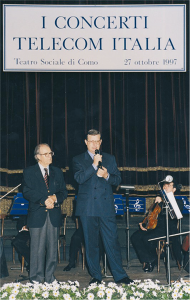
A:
{"x":153,"y":226}
{"x":21,"y":242}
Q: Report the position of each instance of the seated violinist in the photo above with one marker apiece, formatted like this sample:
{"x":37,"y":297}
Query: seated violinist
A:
{"x":146,"y":250}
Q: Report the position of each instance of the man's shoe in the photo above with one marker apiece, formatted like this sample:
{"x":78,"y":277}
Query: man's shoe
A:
{"x":149,"y":267}
{"x":56,"y":281}
{"x":35,"y":282}
{"x":125,"y":280}
{"x":94,"y":280}
{"x":146,"y":267}
{"x":69,"y":267}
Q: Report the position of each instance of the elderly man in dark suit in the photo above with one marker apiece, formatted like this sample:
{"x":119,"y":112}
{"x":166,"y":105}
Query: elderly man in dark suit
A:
{"x":44,"y":187}
{"x":95,"y":175}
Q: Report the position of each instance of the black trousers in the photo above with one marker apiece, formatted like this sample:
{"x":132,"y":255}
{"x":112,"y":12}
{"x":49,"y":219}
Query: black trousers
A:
{"x":22,"y":245}
{"x":75,"y":245}
{"x":146,"y":251}
{"x":3,"y":263}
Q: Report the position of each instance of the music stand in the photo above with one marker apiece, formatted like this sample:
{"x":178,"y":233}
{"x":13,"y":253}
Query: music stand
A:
{"x":127,"y":188}
{"x":174,"y":211}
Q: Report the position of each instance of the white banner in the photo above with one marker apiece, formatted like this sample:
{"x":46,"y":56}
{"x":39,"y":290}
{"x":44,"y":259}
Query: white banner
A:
{"x":119,"y":38}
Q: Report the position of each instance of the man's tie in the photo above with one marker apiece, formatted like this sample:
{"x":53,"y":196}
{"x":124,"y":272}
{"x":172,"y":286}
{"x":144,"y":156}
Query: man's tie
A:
{"x":46,"y":177}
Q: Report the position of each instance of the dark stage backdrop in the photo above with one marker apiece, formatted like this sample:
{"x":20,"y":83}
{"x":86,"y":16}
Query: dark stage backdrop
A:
{"x":143,"y":117}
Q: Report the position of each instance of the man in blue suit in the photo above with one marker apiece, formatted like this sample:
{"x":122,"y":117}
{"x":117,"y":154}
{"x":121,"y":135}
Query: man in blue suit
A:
{"x":95,"y":175}
{"x":44,"y":187}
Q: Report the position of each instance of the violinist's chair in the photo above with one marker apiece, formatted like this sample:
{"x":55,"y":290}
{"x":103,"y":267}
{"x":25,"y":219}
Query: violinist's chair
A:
{"x":62,"y":239}
{"x":23,"y":277}
{"x":22,"y":261}
{"x":161,"y":248}
{"x":82,"y":248}
{"x":7,"y":237}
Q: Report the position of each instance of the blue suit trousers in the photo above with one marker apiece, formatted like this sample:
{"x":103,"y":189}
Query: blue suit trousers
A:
{"x":107,"y":227}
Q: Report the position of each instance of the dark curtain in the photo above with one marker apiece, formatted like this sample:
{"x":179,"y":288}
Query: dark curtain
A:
{"x":143,"y":117}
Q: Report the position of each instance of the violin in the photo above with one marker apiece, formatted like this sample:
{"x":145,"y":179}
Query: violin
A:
{"x":151,"y":220}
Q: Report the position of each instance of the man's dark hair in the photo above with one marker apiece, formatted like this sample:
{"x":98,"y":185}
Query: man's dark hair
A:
{"x":37,"y":150}
{"x":93,"y":132}
{"x":176,"y":186}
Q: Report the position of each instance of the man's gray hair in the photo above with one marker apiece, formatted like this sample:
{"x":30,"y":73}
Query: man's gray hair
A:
{"x":37,"y":150}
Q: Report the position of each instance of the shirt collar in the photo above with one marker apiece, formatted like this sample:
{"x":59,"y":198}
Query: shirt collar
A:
{"x":91,"y":154}
{"x":42,"y":169}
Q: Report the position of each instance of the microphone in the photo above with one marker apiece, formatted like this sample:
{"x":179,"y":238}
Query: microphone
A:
{"x":168,"y":179}
{"x":99,"y":163}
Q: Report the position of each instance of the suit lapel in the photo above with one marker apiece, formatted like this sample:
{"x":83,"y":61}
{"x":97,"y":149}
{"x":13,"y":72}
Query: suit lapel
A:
{"x":88,"y":157}
{"x":88,"y":162}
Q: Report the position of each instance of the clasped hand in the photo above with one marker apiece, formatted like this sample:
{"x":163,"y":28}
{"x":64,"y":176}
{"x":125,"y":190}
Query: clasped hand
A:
{"x":50,"y":202}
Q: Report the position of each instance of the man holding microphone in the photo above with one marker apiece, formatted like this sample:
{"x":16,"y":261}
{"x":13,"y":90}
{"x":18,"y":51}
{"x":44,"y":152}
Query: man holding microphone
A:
{"x":95,"y":175}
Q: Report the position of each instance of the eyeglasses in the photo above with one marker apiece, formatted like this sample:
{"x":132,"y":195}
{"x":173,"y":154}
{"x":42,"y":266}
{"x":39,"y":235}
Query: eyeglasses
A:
{"x":94,"y":142}
{"x":47,"y":154}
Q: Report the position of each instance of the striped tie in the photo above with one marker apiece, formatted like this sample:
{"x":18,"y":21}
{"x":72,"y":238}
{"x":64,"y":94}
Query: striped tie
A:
{"x":46,"y":178}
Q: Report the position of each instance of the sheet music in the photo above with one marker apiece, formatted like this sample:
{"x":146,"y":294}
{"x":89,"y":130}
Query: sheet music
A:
{"x":175,"y":207}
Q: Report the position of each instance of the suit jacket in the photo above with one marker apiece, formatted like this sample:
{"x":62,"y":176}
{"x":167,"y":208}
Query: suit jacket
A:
{"x":95,"y":195}
{"x":35,"y":191}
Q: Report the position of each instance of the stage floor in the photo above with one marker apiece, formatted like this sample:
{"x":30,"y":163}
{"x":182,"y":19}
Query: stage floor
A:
{"x":134,"y":271}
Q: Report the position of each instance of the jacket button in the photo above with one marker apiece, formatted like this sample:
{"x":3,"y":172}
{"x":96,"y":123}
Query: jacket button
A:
{"x":46,"y":210}
{"x":94,"y":197}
